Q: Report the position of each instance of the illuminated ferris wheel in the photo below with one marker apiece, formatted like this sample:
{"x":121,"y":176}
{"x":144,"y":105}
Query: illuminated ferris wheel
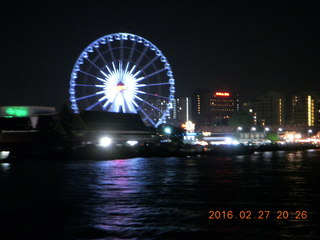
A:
{"x":123,"y":72}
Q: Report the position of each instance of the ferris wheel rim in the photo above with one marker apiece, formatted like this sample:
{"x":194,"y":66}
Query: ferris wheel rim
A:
{"x":106,"y":39}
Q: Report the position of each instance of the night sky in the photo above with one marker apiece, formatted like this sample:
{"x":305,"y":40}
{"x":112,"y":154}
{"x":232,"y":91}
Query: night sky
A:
{"x":248,"y":47}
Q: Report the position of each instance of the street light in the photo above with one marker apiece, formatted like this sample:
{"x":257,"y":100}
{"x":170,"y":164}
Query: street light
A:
{"x":309,"y":132}
{"x":239,"y":129}
{"x":253,"y":129}
{"x":267,"y":129}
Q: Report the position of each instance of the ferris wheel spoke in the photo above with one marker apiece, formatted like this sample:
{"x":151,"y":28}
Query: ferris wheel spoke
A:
{"x":93,"y":76}
{"x":132,"y":50}
{"x":127,"y":66}
{"x":86,"y":85}
{"x":121,"y":49}
{"x":141,"y":56}
{"x":89,"y":96}
{"x":101,"y":56}
{"x":102,"y":99}
{"x":154,"y":107}
{"x":93,"y":105}
{"x":134,"y":66}
{"x":105,"y":74}
{"x":155,"y":95}
{"x":151,"y":74}
{"x":152,"y":84}
{"x":149,"y":63}
{"x":111,"y":52}
{"x":109,"y":101}
{"x":146,"y":115}
{"x":130,"y":103}
{"x":93,"y":64}
{"x":105,"y":105}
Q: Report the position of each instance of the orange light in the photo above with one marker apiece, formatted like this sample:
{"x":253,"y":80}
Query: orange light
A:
{"x":222,"y":94}
{"x":183,"y":125}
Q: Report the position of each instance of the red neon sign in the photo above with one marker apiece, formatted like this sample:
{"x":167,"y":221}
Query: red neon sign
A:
{"x":222,"y":94}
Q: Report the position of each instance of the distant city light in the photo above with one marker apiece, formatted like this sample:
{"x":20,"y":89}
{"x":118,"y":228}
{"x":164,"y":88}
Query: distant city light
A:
{"x":206,"y":134}
{"x":132,"y":143}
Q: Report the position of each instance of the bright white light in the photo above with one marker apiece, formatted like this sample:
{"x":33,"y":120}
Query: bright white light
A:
{"x":167,"y":130}
{"x":4,"y":154}
{"x":239,"y":128}
{"x":132,"y":143}
{"x":267,"y":129}
{"x":280,"y":129}
{"x":309,"y":131}
{"x":253,"y":129}
{"x":298,"y":136}
{"x":204,"y":143}
{"x":235,"y":142}
{"x":229,"y":141}
{"x":105,"y":142}
{"x":290,"y":137}
{"x":120,"y":88}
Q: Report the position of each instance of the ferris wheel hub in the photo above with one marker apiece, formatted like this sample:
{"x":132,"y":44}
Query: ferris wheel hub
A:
{"x":121,"y":87}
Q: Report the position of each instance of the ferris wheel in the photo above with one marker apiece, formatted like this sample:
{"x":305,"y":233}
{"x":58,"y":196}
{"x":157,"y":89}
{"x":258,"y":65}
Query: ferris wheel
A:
{"x":123,"y":72}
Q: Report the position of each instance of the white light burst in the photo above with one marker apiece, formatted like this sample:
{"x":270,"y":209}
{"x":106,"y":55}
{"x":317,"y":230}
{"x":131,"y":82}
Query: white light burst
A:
{"x":120,"y":88}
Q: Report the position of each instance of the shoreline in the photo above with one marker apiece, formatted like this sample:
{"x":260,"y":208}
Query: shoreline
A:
{"x":95,"y":152}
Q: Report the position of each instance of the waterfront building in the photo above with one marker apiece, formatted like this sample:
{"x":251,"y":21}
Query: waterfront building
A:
{"x":305,"y":109}
{"x":276,"y":110}
{"x":214,"y":107}
{"x":183,"y":109}
{"x":269,"y":109}
{"x":119,"y":127}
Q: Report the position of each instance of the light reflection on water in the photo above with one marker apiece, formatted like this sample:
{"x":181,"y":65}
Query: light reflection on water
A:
{"x":5,"y":166}
{"x":164,"y":198}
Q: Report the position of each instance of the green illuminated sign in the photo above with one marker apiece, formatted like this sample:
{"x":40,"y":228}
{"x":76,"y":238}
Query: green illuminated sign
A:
{"x":17,"y":111}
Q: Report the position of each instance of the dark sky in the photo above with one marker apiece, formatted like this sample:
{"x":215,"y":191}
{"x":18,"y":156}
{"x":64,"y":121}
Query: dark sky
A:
{"x":246,"y":46}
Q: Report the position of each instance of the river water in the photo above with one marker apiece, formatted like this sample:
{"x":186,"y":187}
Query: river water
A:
{"x":163,"y":198}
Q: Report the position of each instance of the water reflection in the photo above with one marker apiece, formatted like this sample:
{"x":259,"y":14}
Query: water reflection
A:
{"x":162,"y":198}
{"x":294,"y":156}
{"x":5,"y":167}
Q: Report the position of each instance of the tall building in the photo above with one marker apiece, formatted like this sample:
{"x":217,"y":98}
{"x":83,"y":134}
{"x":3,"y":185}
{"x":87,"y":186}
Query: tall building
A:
{"x":214,"y":107}
{"x":269,"y":109}
{"x":276,"y":109}
{"x":317,"y":110}
{"x":182,"y":110}
{"x":305,"y":109}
